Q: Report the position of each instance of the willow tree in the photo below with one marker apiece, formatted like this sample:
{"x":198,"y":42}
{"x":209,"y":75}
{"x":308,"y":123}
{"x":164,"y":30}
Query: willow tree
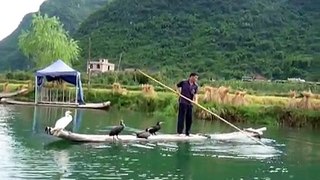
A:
{"x":47,"y":41}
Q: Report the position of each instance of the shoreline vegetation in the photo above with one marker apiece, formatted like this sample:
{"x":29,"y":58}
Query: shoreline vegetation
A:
{"x":291,"y":109}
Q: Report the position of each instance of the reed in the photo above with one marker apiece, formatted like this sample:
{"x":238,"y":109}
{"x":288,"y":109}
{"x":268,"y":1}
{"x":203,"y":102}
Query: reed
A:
{"x":239,"y":99}
{"x":117,"y":89}
{"x":20,"y":87}
{"x":207,"y":94}
{"x":5,"y":88}
{"x":30,"y":85}
{"x":148,"y":90}
{"x":211,"y":94}
{"x":292,"y":102}
{"x":305,"y":102}
{"x":224,"y":94}
{"x":267,"y":100}
{"x":205,"y":115}
{"x":49,"y":85}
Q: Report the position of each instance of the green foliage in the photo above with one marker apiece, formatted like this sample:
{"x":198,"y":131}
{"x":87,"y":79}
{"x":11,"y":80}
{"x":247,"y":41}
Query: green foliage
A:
{"x":218,"y":38}
{"x":124,"y":78}
{"x":70,"y":12}
{"x":130,"y":81}
{"x":19,"y":75}
{"x":47,"y":41}
{"x":266,"y":88}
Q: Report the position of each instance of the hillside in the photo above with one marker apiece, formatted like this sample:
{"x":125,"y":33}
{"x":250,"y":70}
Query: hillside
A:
{"x":71,"y":14}
{"x":219,"y":38}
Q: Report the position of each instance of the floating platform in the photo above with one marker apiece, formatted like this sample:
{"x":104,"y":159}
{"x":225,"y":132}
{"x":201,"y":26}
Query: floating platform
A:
{"x":103,"y":105}
{"x":12,"y":94}
{"x":76,"y":137}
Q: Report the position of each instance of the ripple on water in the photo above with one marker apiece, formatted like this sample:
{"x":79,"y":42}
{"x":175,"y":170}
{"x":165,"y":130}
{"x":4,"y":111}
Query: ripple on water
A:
{"x":235,"y":150}
{"x":142,"y":146}
{"x":119,"y":161}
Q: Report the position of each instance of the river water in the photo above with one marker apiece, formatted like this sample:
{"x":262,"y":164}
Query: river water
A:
{"x":26,"y":152}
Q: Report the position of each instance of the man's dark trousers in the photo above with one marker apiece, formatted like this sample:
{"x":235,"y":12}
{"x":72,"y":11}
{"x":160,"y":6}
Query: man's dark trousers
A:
{"x":185,"y":112}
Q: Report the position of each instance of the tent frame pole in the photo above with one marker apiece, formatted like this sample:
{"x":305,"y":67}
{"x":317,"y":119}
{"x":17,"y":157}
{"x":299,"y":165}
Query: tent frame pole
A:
{"x":36,"y":91}
{"x":77,"y":79}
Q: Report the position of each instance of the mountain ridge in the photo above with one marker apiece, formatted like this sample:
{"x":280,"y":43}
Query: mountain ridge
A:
{"x":70,"y":12}
{"x":277,"y":39}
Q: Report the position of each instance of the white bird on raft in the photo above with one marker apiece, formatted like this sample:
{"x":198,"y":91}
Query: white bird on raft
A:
{"x":60,"y":124}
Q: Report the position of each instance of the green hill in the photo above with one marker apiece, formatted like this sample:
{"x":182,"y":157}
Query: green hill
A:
{"x":222,"y":38}
{"x":71,"y":14}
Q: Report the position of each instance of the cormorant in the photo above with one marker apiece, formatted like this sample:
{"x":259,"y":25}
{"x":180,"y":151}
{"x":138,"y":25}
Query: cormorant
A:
{"x":115,"y":131}
{"x":153,"y":129}
{"x":143,"y":134}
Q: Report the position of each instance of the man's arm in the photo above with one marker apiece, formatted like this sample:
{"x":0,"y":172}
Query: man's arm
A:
{"x":178,"y":88}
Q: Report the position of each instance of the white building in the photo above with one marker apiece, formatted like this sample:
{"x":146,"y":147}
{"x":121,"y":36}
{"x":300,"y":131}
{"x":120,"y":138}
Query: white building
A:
{"x":101,"y":66}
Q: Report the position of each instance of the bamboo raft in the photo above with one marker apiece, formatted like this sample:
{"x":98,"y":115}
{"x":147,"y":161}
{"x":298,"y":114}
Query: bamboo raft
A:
{"x":75,"y":137}
{"x":16,"y":93}
{"x":103,"y":105}
{"x":86,"y":138}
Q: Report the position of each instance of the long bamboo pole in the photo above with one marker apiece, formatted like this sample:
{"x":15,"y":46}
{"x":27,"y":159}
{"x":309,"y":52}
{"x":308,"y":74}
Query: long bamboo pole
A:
{"x":197,"y":104}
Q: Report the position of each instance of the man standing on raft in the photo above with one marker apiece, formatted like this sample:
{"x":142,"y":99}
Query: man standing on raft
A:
{"x":188,"y":88}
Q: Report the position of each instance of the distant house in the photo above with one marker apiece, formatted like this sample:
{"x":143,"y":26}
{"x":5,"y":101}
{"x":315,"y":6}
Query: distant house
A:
{"x":296,"y":80}
{"x":247,"y":78}
{"x":101,"y":66}
{"x":258,"y":77}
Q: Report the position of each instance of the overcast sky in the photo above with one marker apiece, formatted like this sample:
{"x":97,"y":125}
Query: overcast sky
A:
{"x":12,"y":12}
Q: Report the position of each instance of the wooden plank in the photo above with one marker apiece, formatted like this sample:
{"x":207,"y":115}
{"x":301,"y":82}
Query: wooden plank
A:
{"x":103,"y":105}
{"x":75,"y":137}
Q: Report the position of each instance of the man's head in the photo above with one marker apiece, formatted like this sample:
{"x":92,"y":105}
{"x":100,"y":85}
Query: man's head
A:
{"x":193,"y":77}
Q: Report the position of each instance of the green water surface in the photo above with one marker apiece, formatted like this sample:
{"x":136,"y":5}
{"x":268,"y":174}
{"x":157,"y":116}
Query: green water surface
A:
{"x":26,"y":152}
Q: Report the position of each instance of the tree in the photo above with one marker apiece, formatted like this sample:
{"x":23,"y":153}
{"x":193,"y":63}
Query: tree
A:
{"x":47,"y":41}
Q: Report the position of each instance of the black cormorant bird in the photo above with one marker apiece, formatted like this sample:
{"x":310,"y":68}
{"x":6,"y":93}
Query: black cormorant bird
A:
{"x":47,"y":130}
{"x":143,"y":134}
{"x":115,"y":131}
{"x":153,"y":129}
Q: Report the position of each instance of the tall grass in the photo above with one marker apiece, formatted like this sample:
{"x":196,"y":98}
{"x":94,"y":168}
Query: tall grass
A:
{"x":133,"y":80}
{"x":266,"y":88}
{"x":166,"y":104}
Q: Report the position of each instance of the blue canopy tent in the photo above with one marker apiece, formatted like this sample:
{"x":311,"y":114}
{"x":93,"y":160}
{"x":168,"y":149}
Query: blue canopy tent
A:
{"x":59,"y":71}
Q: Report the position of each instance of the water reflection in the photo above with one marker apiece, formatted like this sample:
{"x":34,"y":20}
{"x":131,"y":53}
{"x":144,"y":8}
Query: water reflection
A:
{"x":6,"y":143}
{"x":62,"y":160}
{"x":58,"y":145}
{"x":77,"y":119}
{"x":35,"y":126}
{"x":28,"y":153}
{"x":183,"y":162}
{"x":50,"y":115}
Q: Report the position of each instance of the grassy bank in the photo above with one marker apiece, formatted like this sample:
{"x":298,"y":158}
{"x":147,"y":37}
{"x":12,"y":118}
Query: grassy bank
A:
{"x":262,"y":110}
{"x":132,"y":81}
